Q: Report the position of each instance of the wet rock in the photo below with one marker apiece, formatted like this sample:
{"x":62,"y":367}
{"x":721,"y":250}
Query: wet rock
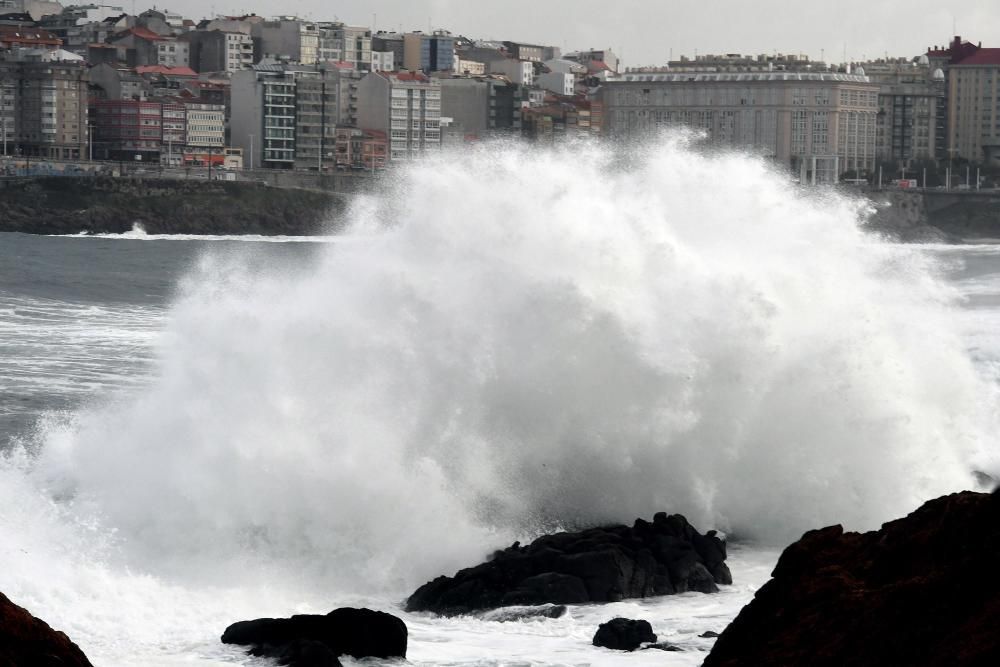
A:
{"x":312,"y":640}
{"x":918,"y":592}
{"x":26,"y":640}
{"x":663,"y":646}
{"x":508,"y":614}
{"x":604,"y":564}
{"x":624,"y":634}
{"x":709,"y":634}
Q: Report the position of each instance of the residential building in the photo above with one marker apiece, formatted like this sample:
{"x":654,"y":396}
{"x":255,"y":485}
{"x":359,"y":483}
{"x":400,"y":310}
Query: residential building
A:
{"x":361,"y":149}
{"x":138,"y":46}
{"x":393,"y":43}
{"x":13,"y":37}
{"x":205,"y":139}
{"x":44,"y":106}
{"x":115,"y":82}
{"x":344,"y":43}
{"x":174,"y":132}
{"x":469,"y":67}
{"x":285,"y":116}
{"x":912,"y":110}
{"x":173,"y":53}
{"x":519,"y":71}
{"x":286,"y":39}
{"x":605,"y":56}
{"x":405,"y":105}
{"x":560,"y":119}
{"x":520,"y":51}
{"x":736,"y":62}
{"x":560,"y":83}
{"x":972,"y":75}
{"x":822,"y":124}
{"x":383,"y":61}
{"x":482,"y":106}
{"x":128,"y":130}
{"x":429,"y":53}
{"x":219,"y":50}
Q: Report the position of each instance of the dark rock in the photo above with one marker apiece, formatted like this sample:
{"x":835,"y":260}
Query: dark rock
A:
{"x":508,"y":614}
{"x":709,"y":634}
{"x":663,"y":646}
{"x":67,"y":205}
{"x":604,"y":564}
{"x":919,"y":592}
{"x":624,"y":634}
{"x":26,"y":640}
{"x":300,"y":640}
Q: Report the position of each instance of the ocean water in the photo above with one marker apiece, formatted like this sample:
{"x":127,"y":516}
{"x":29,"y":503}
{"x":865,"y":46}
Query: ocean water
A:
{"x":199,"y":431}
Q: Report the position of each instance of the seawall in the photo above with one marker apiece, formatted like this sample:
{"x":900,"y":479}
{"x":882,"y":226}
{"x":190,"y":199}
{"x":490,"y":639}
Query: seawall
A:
{"x":937,"y":215}
{"x":60,"y":205}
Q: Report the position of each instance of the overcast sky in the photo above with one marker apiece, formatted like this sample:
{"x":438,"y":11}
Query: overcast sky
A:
{"x":646,"y":32}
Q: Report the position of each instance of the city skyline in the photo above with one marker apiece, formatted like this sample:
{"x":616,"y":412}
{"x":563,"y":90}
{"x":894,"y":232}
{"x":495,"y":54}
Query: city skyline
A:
{"x":646,"y":35}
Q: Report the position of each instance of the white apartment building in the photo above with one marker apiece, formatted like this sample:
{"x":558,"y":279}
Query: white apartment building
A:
{"x":206,"y":125}
{"x":561,"y":83}
{"x":816,"y":121}
{"x":286,"y":38}
{"x":407,"y":107}
{"x":519,"y":71}
{"x":383,"y":61}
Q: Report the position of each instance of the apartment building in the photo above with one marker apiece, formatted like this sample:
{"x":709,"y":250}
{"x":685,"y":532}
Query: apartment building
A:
{"x":406,"y":106}
{"x":911,"y":124}
{"x":173,"y":53}
{"x":44,"y":108}
{"x":347,"y":44}
{"x":285,"y":116}
{"x":974,"y":107}
{"x":820,"y":124}
{"x":205,"y":137}
{"x":286,"y":39}
{"x":482,"y":106}
{"x":220,"y":50}
{"x":429,"y":53}
{"x":128,"y":130}
{"x":361,"y":149}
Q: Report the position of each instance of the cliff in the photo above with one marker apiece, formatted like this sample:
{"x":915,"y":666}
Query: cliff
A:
{"x":61,"y":205}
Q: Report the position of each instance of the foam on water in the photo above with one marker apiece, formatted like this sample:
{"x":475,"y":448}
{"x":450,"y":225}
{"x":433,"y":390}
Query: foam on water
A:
{"x":139,"y":233}
{"x":534,"y":339}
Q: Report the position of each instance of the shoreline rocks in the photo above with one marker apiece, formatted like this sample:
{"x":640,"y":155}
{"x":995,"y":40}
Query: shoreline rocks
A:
{"x":624,"y":634}
{"x":313,"y":640}
{"x":919,"y":592}
{"x":27,"y":640}
{"x":606,"y":564}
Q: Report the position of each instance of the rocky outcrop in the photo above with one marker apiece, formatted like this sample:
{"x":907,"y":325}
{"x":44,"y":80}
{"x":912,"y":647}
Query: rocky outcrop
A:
{"x":26,"y":640}
{"x":64,"y":205}
{"x":597,"y":565}
{"x":624,"y":634}
{"x":313,"y":640}
{"x":919,"y":592}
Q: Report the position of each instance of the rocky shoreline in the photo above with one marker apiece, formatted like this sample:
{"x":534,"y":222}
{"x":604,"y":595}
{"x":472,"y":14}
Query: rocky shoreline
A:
{"x":59,"y":205}
{"x":917,"y":592}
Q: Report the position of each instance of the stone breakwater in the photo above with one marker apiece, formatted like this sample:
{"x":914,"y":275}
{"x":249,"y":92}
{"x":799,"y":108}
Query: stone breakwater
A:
{"x":58,"y":205}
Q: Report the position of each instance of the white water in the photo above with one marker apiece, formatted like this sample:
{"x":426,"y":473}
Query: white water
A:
{"x":539,"y":339}
{"x":139,"y":233}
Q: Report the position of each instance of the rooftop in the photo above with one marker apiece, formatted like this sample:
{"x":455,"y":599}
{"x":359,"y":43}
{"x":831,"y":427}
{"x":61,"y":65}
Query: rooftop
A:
{"x":739,"y":76}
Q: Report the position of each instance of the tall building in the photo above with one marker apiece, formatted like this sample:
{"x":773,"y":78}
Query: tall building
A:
{"x":822,"y":124}
{"x":392,"y":43}
{"x":220,"y":50}
{"x":973,"y":105}
{"x":286,"y":38}
{"x":405,"y":105}
{"x":285,"y":116}
{"x":344,"y":43}
{"x":429,"y":53}
{"x":912,"y":111}
{"x":44,"y":106}
{"x":483,"y":106}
